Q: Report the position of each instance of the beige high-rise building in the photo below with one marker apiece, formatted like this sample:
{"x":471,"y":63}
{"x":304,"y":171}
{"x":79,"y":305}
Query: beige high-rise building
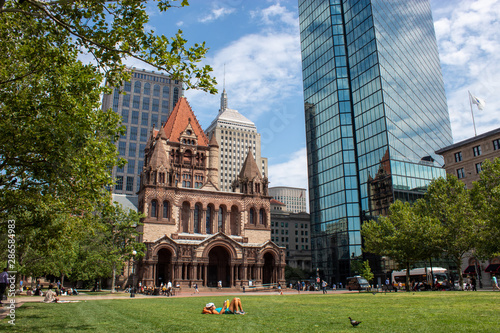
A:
{"x":236,"y":135}
{"x":293,"y":197}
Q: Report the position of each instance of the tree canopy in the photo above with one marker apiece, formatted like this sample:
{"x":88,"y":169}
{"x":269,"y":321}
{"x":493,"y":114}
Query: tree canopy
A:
{"x":448,"y":201}
{"x":404,"y":235}
{"x":56,"y":143}
{"x":486,"y":201}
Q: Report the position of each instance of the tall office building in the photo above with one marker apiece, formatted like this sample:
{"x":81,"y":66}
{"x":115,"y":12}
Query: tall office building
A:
{"x":147,"y":102}
{"x":236,"y":135}
{"x":294,"y":198}
{"x":376,"y":112}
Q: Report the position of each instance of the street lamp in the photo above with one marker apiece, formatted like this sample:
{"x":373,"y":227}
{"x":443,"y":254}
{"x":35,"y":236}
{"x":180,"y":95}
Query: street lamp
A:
{"x":132,"y":292}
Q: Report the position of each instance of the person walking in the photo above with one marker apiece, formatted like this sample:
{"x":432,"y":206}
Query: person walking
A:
{"x":196,"y":291}
{"x":4,"y":276}
{"x":323,"y":286}
{"x":494,"y":282}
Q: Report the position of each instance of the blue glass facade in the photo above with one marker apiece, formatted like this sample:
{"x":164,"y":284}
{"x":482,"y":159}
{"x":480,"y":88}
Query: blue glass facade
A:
{"x":375,"y":111}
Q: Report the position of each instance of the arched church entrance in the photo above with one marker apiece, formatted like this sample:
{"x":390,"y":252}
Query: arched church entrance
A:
{"x":268,"y":269}
{"x":164,"y":267}
{"x":218,"y":267}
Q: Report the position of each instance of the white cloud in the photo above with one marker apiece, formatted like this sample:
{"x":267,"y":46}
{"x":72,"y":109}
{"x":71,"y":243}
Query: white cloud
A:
{"x":469,"y":47}
{"x":276,"y":14}
{"x":261,"y":70}
{"x":216,"y":13}
{"x":292,"y":172}
{"x":180,"y":23}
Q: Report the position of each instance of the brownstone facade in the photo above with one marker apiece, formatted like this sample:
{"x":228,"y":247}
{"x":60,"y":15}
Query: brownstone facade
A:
{"x":195,"y":233}
{"x":463,"y":159}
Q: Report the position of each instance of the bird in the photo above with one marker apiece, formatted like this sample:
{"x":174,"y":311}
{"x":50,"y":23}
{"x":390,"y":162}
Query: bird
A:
{"x":354,"y":323}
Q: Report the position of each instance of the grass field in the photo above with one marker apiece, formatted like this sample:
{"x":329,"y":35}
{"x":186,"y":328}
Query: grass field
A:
{"x":392,"y":312}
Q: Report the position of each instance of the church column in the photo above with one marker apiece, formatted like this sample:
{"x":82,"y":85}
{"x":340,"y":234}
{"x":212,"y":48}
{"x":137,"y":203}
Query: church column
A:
{"x":231,"y":276}
{"x":203,"y":222}
{"x":205,"y":268}
{"x":215,"y":222}
{"x":191,"y":221}
{"x":227,"y":227}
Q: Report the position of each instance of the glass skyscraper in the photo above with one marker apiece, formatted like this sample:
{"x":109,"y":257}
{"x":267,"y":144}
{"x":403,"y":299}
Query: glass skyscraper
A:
{"x":376,"y":112}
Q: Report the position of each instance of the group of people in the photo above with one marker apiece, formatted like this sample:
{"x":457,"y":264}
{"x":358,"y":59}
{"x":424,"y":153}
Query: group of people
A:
{"x":233,"y":307}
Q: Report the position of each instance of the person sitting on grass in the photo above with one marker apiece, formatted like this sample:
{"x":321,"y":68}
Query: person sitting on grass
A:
{"x":50,"y":296}
{"x":233,"y":308}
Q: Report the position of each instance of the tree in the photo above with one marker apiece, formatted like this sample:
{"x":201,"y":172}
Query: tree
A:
{"x":366,"y":271}
{"x":103,"y":251}
{"x":56,"y":144}
{"x":486,"y":201}
{"x":448,"y":201}
{"x":53,"y":135}
{"x":404,"y":235}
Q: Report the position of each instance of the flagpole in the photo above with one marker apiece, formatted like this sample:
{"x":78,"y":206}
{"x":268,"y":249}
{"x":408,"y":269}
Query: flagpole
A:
{"x":472,"y":113}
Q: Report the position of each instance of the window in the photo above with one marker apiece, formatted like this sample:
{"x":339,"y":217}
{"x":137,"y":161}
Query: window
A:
{"x":156,"y":105}
{"x":478,"y":167}
{"x":130,"y":166}
{"x":261,"y":216}
{"x":145,"y":103}
{"x":124,"y":115}
{"x":147,"y":89}
{"x":132,"y":147}
{"x":119,"y":183}
{"x":126,"y":101}
{"x":156,"y":90}
{"x":121,"y":147}
{"x":460,"y":173}
{"x":137,"y":87}
{"x":166,"y":92}
{"x":144,"y":119}
{"x":154,"y":120}
{"x":477,"y":150}
{"x":144,"y":137}
{"x":154,"y":208}
{"x":252,"y":216}
{"x":133,"y":133}
{"x":496,"y":144}
{"x":458,"y":156}
{"x":136,"y":101}
{"x":164,"y":106}
{"x":130,"y":184}
{"x":135,"y":117}
{"x":208,"y":221}
{"x":128,"y":86}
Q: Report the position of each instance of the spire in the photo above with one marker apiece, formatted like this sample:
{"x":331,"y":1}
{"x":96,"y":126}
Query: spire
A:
{"x":250,"y":170}
{"x":223,"y":101}
{"x":223,"y":97}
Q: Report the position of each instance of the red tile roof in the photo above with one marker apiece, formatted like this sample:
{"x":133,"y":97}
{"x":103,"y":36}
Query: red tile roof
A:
{"x":276,"y":202}
{"x":181,"y":116}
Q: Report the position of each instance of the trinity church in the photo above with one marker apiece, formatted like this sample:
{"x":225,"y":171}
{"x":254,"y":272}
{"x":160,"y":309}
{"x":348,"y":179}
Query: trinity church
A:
{"x":193,"y":231}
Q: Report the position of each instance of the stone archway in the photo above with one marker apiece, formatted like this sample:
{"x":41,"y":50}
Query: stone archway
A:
{"x":164,"y":267}
{"x":268,"y":269}
{"x":219,"y":269}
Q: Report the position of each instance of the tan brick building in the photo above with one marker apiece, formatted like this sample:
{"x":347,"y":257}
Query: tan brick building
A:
{"x":193,"y":231}
{"x":463,"y":159}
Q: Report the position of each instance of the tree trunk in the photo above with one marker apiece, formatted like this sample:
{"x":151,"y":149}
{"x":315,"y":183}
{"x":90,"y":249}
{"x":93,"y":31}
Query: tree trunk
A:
{"x":62,"y":280}
{"x":113,"y":278}
{"x":458,"y":262}
{"x":407,"y":287}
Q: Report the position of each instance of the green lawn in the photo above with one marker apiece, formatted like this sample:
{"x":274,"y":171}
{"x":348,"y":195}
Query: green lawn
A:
{"x":392,"y":312}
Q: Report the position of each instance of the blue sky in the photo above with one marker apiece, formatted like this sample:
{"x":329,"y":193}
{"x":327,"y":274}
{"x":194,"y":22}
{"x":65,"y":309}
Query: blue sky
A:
{"x":258,"y":41}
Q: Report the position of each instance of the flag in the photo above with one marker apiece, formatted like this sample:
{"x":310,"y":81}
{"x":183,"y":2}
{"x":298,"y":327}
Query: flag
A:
{"x":478,"y":101}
